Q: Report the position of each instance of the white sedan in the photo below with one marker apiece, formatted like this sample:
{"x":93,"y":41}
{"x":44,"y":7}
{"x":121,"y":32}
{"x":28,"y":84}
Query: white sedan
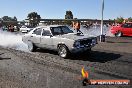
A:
{"x":25,"y":29}
{"x":59,"y":38}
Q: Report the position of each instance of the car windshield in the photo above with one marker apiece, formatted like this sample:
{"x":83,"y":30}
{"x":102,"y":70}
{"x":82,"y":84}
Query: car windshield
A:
{"x":26,"y":26}
{"x":29,"y":26}
{"x":60,"y":30}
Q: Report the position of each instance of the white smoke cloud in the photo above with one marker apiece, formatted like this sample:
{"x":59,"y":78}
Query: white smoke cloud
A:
{"x":96,"y":31}
{"x":12,"y":40}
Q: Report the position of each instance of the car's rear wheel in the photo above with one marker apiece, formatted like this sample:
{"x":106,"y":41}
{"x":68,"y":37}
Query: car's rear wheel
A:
{"x":31,"y":46}
{"x":63,"y":51}
{"x":118,"y":34}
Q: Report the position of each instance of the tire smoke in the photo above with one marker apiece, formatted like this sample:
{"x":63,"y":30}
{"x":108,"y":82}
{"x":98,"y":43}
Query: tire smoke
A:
{"x":96,"y":31}
{"x":12,"y":40}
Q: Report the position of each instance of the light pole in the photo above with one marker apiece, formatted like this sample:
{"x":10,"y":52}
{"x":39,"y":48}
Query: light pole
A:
{"x":102,"y":37}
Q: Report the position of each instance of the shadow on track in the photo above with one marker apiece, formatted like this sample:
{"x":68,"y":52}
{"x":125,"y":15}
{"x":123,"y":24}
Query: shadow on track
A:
{"x":117,"y":42}
{"x":93,"y":56}
{"x":1,"y":58}
{"x":4,"y":58}
{"x":123,"y":39}
{"x":47,"y":51}
{"x":96,"y":56}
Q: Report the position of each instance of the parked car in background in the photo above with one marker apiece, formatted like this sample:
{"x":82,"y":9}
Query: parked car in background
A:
{"x":5,"y":28}
{"x":124,"y":29}
{"x":25,"y":29}
{"x":59,"y":38}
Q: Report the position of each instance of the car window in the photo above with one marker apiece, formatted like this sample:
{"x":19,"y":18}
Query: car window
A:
{"x":60,"y":30}
{"x":56,"y":30}
{"x":125,"y":25}
{"x":46,"y":32}
{"x":129,"y":25}
{"x":29,"y":26}
{"x":23,"y":26}
{"x":66,"y":30}
{"x":37,"y":31}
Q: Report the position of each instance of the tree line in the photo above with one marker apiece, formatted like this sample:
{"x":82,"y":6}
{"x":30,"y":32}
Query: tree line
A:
{"x":34,"y":19}
{"x":121,"y":19}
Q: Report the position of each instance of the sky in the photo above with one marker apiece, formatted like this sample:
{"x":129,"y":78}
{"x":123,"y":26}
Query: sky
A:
{"x":56,"y":9}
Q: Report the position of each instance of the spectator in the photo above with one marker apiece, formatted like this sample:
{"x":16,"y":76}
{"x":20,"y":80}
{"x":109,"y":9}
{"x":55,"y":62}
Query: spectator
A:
{"x":76,"y":26}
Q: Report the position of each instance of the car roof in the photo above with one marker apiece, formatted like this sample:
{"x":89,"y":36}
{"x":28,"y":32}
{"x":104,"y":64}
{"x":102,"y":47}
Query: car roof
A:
{"x":47,"y":26}
{"x":27,"y":26}
{"x":129,"y":22}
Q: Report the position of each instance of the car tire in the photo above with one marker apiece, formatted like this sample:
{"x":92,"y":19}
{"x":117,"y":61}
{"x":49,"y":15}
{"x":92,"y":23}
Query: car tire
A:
{"x":118,"y":34}
{"x":63,"y":51}
{"x":31,"y":46}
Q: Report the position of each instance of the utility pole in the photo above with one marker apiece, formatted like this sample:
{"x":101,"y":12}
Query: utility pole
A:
{"x":102,"y":37}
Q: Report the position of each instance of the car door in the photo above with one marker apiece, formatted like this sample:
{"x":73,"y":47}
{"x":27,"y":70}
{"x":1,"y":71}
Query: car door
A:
{"x":36,"y":36}
{"x":126,"y":30}
{"x":131,"y":29}
{"x":47,"y":39}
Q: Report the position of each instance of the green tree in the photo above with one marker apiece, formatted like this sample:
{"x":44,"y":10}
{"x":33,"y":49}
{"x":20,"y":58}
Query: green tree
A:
{"x":68,"y":15}
{"x":130,"y":19}
{"x":34,"y":18}
{"x":6,"y":20}
{"x":14,"y":18}
{"x":119,"y":19}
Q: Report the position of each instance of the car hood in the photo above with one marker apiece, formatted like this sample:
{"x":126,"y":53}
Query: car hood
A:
{"x":74,"y":36}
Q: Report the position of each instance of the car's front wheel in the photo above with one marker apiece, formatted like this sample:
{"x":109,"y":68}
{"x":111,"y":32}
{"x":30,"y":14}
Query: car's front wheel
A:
{"x":118,"y":34}
{"x":63,"y":51}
